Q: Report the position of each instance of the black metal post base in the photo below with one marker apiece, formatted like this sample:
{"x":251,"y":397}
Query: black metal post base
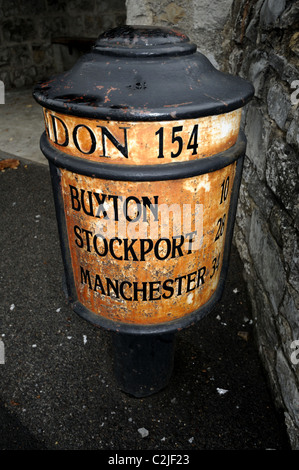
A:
{"x":143,"y":363}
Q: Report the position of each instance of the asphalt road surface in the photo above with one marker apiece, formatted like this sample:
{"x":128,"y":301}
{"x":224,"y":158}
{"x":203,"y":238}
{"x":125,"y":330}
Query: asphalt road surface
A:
{"x":57,"y":385}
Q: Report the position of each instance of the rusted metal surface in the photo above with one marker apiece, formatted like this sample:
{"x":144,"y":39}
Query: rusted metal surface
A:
{"x":139,"y":143}
{"x":145,"y":271}
{"x":143,"y":136}
{"x":143,"y":74}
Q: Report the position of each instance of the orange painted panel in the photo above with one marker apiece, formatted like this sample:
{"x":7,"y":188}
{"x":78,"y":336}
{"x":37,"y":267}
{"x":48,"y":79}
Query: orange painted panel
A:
{"x":142,"y":143}
{"x":146,"y":252}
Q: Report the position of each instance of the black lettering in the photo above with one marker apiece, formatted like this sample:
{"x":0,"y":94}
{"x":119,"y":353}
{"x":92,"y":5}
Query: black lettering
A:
{"x":221,"y":224}
{"x":66,"y":134}
{"x":115,"y":204}
{"x":168,"y":288}
{"x":129,"y":248}
{"x":75,"y":197}
{"x":153,"y":207}
{"x":142,"y":289}
{"x":90,"y":212}
{"x":77,"y":231}
{"x":121,"y":290}
{"x":122,"y":148}
{"x":176,"y":247}
{"x":201,"y":273}
{"x":125,"y":208}
{"x":144,"y":251}
{"x":192,"y":144}
{"x":190,"y":279}
{"x":224,"y":189}
{"x":180,"y":281}
{"x":92,"y":137}
{"x":100,"y":200}
{"x":113,"y":286}
{"x":111,"y":248}
{"x":88,"y":234}
{"x":178,"y":139}
{"x":153,"y":289}
{"x":168,"y":249}
{"x":85,"y":277}
{"x":98,"y":283}
{"x":215,"y":265}
{"x":160,"y":133}
{"x":105,"y":244}
{"x":191,"y":240}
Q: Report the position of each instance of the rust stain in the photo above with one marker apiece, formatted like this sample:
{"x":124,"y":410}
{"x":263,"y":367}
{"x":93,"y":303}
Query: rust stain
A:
{"x":109,"y":91}
{"x":145,"y":252}
{"x":177,"y":105}
{"x":145,"y":272}
{"x":139,"y":143}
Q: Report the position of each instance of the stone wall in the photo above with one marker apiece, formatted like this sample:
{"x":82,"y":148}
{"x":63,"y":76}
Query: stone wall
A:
{"x":259,"y":40}
{"x":27,"y":29}
{"x":202,"y":20}
{"x":264,"y":47}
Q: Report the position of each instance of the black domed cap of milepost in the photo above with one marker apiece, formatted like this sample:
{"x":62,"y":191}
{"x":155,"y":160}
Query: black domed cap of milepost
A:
{"x":143,"y":73}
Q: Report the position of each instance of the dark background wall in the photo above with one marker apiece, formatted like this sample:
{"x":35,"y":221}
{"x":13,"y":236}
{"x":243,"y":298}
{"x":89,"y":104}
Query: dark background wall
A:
{"x":28,"y":29}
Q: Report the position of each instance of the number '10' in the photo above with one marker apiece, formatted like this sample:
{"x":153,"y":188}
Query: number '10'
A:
{"x":224,"y":190}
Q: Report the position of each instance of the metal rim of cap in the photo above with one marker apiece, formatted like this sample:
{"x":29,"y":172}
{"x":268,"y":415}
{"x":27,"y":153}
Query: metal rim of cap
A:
{"x":144,"y":41}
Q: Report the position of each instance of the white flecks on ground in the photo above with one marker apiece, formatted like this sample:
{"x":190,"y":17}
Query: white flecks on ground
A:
{"x":84,"y":339}
{"x":236,"y":290}
{"x":58,"y":309}
{"x":221,"y":391}
{"x":191,"y":440}
{"x":143,"y":432}
{"x":34,"y":345}
{"x":219,"y":318}
{"x":12,"y":307}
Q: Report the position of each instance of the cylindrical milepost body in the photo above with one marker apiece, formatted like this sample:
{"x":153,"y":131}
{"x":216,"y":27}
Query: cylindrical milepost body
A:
{"x":145,"y":151}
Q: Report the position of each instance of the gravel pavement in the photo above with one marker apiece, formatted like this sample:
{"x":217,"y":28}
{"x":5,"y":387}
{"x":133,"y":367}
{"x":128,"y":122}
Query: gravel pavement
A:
{"x":57,"y":386}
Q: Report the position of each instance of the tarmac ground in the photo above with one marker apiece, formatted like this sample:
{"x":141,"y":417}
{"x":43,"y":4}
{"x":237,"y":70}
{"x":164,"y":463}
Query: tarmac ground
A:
{"x":57,"y":385}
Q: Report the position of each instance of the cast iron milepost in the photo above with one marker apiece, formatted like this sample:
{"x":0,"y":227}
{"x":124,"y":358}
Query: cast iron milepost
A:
{"x":145,"y":152}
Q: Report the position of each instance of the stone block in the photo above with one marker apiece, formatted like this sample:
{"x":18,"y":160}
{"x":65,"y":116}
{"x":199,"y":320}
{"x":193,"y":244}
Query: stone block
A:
{"x":266,"y":258}
{"x":282,"y":176}
{"x":270,"y":12}
{"x":172,"y":13}
{"x":257,"y":130}
{"x":18,"y":30}
{"x":139,"y":12}
{"x":242,"y":247}
{"x":290,"y":15}
{"x":290,"y":311}
{"x":261,"y":196}
{"x":279,"y":104}
{"x":259,"y":65}
{"x":293,"y":432}
{"x":281,"y":226}
{"x":292,"y":136}
{"x":288,"y":385}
